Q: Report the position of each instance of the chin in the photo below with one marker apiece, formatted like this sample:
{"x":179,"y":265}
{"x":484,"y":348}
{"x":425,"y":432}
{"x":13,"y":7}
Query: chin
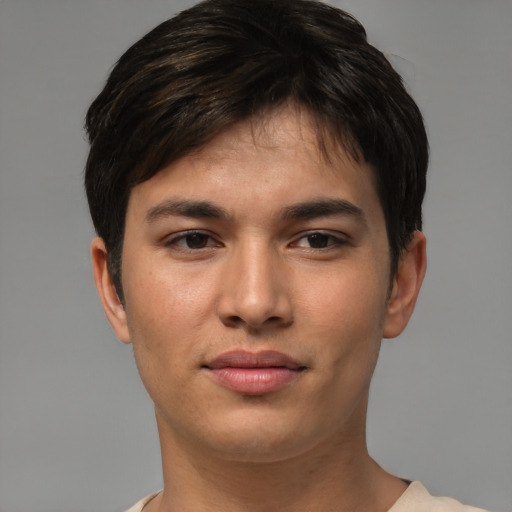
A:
{"x":260,"y":438}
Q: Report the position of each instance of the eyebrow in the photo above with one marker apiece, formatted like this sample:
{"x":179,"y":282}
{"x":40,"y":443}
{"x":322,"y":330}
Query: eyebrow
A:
{"x":300,"y":211}
{"x":322,"y":208}
{"x":186,"y":208}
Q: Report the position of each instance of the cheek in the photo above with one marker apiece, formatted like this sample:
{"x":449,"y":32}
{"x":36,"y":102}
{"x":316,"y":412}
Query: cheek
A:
{"x":162,"y":323}
{"x":345,"y":317}
{"x":342,"y":325}
{"x":345,"y":300}
{"x":165,"y":314}
{"x":159,"y":295}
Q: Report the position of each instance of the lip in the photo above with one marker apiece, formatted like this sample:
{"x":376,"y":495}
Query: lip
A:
{"x":254,"y":373}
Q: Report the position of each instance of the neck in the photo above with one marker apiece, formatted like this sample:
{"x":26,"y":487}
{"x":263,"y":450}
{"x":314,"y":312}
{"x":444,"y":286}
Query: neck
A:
{"x":338,"y":476}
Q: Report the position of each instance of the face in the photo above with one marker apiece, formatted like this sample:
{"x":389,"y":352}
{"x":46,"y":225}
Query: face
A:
{"x":257,"y":291}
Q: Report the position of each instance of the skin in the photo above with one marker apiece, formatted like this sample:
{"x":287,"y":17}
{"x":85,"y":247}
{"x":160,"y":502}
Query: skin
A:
{"x":316,"y":287}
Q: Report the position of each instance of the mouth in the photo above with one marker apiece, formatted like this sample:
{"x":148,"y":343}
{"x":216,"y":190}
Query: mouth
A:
{"x":254,"y":373}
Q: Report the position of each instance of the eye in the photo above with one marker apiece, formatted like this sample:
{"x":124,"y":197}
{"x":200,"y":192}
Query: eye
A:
{"x":192,"y":240}
{"x":319,"y":240}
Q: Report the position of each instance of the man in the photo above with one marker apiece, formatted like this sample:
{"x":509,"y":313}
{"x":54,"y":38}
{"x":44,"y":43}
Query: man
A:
{"x":255,"y":178}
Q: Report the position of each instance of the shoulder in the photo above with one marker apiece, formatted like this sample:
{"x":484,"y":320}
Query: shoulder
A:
{"x":417,"y":499}
{"x":142,"y":503}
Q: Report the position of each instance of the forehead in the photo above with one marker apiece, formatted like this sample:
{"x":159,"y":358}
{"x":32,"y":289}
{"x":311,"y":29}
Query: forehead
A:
{"x":288,"y":129}
{"x":278,"y":158}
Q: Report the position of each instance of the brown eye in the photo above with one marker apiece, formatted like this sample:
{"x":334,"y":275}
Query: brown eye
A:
{"x":319,"y":240}
{"x":196,"y":240}
{"x":192,"y":241}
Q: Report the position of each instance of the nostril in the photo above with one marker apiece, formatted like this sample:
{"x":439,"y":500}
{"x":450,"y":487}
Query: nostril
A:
{"x":237,"y":321}
{"x":235,"y":310}
{"x":233,"y":321}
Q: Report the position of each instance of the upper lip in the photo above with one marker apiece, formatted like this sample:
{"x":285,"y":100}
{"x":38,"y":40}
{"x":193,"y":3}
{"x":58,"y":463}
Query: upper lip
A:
{"x":247,"y":359}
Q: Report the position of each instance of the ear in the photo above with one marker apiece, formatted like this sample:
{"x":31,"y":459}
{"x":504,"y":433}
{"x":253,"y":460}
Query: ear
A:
{"x":406,"y":286}
{"x":112,"y":306}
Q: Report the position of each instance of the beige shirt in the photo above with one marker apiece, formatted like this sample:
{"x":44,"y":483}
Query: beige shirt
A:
{"x":415,"y":499}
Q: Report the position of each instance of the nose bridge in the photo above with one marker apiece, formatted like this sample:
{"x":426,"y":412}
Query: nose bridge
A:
{"x":255,"y":291}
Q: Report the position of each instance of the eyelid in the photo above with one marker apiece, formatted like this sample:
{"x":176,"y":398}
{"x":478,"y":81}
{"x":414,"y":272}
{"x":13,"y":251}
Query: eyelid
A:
{"x":337,"y":236}
{"x":337,"y":239}
{"x":172,"y":240}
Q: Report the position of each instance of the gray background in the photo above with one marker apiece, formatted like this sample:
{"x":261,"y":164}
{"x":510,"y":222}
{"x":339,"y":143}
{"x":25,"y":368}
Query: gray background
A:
{"x":77,"y":430}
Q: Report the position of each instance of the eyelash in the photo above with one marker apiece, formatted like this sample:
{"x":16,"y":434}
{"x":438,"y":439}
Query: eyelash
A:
{"x":182,"y":237}
{"x":329,"y":239}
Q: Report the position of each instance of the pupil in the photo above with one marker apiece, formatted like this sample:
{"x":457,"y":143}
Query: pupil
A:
{"x":318,"y":241}
{"x":197,"y":241}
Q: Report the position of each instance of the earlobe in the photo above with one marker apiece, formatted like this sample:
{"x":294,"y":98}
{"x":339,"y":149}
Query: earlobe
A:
{"x":406,"y":286}
{"x":112,"y":306}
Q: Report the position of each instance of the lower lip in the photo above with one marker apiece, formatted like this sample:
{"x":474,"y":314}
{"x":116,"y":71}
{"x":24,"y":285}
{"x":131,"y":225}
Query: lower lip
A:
{"x":254,"y":381}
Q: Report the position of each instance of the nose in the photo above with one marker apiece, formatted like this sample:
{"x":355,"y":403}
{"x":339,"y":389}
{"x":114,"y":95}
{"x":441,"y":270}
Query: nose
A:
{"x":254,"y":289}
